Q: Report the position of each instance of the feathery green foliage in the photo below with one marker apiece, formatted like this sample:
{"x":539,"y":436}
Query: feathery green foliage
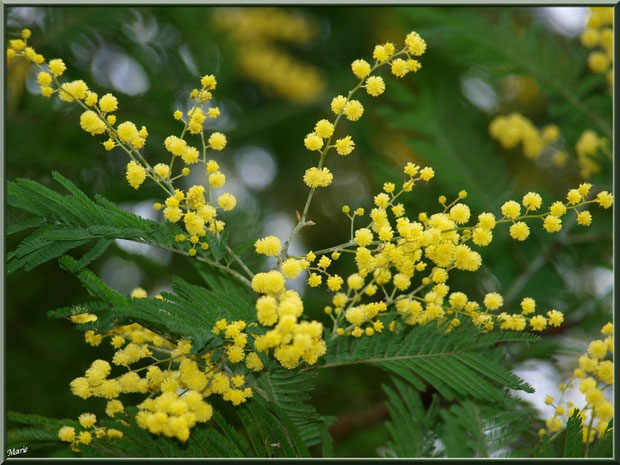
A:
{"x":453,"y":363}
{"x":66,"y":222}
{"x":412,"y":424}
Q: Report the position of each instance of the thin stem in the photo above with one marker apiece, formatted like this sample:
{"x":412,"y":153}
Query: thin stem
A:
{"x":225,"y":268}
{"x":239,"y":261}
{"x":303,"y":219}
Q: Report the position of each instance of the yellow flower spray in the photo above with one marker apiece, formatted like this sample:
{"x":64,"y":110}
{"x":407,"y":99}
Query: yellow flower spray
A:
{"x":401,"y":263}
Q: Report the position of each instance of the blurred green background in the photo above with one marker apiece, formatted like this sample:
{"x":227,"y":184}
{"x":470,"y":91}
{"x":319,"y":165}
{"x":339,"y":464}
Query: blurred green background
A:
{"x":277,"y":71}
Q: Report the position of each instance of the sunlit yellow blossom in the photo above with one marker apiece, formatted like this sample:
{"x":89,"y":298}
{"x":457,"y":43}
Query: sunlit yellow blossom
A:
{"x":315,"y":177}
{"x":136,"y":174}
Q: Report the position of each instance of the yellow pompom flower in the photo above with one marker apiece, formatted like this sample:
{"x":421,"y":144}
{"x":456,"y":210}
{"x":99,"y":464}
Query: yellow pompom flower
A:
{"x":43,"y":78}
{"x":597,"y":349}
{"x":486,"y":221}
{"x":235,"y":354}
{"x":426,"y":174}
{"x":190,"y":155}
{"x":194,"y":223}
{"x":173,"y":214}
{"x":253,"y":362}
{"x":532,"y":201}
{"x":46,"y":91}
{"x":584,"y":218}
{"x":270,"y":246}
{"x":415,"y":44}
{"x":90,"y":122}
{"x":136,"y":174}
{"x":608,"y":329}
{"x":519,"y":231}
{"x":127,"y":132}
{"x":552,"y":223}
{"x":401,"y":281}
{"x":605,"y":199}
{"x":271,"y":282}
{"x":557,"y":209}
{"x":584,"y":189}
{"x":91,"y":98}
{"x":344,"y":146}
{"x":227,"y":201}
{"x":208,"y":82}
{"x":538,"y":322}
{"x":70,"y":91}
{"x":313,"y":141}
{"x":493,"y":301}
{"x":555,"y":318}
{"x":108,"y":103}
{"x":363,"y":237}
{"x":85,"y":438}
{"x":324,"y":129}
{"x":57,"y":67}
{"x":87,"y":420}
{"x":217,"y":179}
{"x":459,"y":213}
{"x":381,"y":53}
{"x":573,"y":196}
{"x":113,"y":407}
{"x":162,"y":170}
{"x":511,"y":209}
{"x":598,"y":62}
{"x":482,"y":237}
{"x":17,"y":44}
{"x":361,"y":68}
{"x":589,"y":37}
{"x":338,"y":104}
{"x":315,"y":177}
{"x":291,"y":268}
{"x":399,"y":67}
{"x":353,"y":110}
{"x":314,"y":280}
{"x":528,"y":306}
{"x":66,"y":434}
{"x":217,"y":141}
{"x":334,"y":283}
{"x":324,"y":262}
{"x":414,"y":65}
{"x":550,"y":133}
{"x":375,"y":86}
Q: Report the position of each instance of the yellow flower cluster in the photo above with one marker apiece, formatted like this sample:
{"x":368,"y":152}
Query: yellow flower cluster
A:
{"x":197,"y":208}
{"x":292,"y":340}
{"x":177,"y":393}
{"x":594,"y":376}
{"x":402,"y":263}
{"x":394,"y":249}
{"x":599,"y":35}
{"x":588,"y":148}
{"x":257,"y":33}
{"x":87,"y":433}
{"x":401,"y":62}
{"x":513,"y":129}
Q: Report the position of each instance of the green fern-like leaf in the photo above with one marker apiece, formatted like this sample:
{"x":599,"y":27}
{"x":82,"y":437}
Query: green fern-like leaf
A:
{"x":190,"y":312}
{"x":480,"y":429}
{"x":569,"y":442}
{"x":290,"y":392}
{"x":65,"y":222}
{"x":411,"y":425}
{"x":452,"y":363}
